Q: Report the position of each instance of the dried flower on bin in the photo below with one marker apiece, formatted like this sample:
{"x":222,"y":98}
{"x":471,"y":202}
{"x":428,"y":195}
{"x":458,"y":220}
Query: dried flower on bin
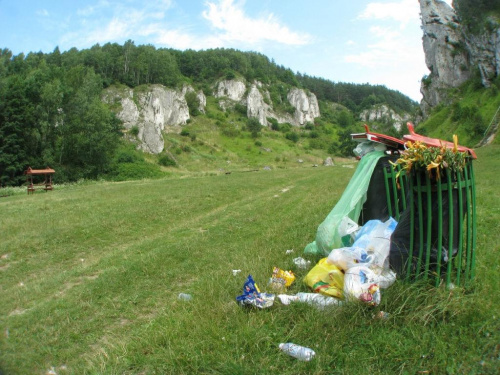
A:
{"x":418,"y":156}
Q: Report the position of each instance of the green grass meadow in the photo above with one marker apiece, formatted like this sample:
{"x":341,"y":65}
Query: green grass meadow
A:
{"x":90,"y":276}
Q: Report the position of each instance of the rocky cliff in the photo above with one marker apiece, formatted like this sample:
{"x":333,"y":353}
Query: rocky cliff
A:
{"x":452,"y":53}
{"x":153,"y":111}
{"x":159,"y":109}
{"x":258,"y":102}
{"x":383,"y":114}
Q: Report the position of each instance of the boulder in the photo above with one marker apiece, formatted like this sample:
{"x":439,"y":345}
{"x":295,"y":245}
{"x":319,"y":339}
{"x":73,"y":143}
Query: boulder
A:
{"x":328,"y":162}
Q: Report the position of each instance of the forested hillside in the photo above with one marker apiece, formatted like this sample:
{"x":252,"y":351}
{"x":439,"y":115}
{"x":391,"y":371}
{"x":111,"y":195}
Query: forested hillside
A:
{"x":51,"y":112}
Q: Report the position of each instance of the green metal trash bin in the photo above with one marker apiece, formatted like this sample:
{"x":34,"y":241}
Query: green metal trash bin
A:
{"x":436,"y":234}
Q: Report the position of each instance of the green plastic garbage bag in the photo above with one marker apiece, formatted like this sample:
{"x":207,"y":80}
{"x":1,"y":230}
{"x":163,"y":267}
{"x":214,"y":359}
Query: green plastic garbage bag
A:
{"x":347,"y":209}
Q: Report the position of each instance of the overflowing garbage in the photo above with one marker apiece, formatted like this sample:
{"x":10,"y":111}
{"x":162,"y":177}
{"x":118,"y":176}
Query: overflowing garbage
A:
{"x":357,"y":272}
{"x":384,"y":222}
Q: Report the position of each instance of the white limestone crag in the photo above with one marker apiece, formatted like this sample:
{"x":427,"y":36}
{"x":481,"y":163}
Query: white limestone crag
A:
{"x":484,"y":51}
{"x":383,"y":114}
{"x":232,"y":89}
{"x":306,"y":106}
{"x":259,"y":104}
{"x":256,"y":106}
{"x":153,"y":111}
{"x":202,"y":99}
{"x":445,"y":55}
{"x":452,"y":52}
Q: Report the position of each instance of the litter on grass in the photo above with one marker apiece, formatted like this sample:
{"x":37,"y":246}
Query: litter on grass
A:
{"x":280,"y":279}
{"x":301,"y":263}
{"x":253,"y":296}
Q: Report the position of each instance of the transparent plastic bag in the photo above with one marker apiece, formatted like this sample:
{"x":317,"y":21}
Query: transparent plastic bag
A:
{"x":349,"y":206}
{"x":348,"y":257}
{"x":360,"y":283}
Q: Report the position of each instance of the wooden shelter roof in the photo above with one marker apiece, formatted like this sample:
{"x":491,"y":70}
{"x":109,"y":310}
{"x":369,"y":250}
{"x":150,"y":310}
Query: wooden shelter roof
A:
{"x":40,"y":171}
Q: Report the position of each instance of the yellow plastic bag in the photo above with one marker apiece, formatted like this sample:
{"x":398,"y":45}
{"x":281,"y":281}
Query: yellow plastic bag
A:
{"x":326,"y":279}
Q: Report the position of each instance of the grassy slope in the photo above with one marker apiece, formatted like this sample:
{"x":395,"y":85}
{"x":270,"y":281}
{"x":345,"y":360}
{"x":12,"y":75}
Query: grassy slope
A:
{"x":440,"y":124}
{"x":89,"y":277}
{"x":209,"y":150}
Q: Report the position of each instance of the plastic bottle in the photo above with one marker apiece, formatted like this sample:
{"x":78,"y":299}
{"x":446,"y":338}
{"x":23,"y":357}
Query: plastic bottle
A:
{"x":318,"y":299}
{"x":300,"y":352}
{"x":185,"y":296}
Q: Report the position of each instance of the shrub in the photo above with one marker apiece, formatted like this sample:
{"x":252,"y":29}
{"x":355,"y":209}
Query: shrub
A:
{"x":274,"y":123}
{"x":285,"y":127}
{"x":314,"y":134}
{"x":230,"y":131}
{"x":258,"y":143}
{"x":292,"y":136}
{"x":128,"y":156}
{"x":166,"y":161}
{"x":240,"y":108}
{"x":134,"y":130}
{"x":135,"y":171}
{"x":254,"y":126}
{"x":185,"y":133}
{"x":193,"y":103}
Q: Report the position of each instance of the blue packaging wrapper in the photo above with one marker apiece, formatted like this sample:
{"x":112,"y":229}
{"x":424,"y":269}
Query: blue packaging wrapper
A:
{"x":253,"y":296}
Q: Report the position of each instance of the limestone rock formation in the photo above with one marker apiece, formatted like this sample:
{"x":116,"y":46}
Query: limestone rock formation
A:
{"x":306,"y":106}
{"x":232,"y":89}
{"x":445,"y":55}
{"x":202,"y":99}
{"x":484,"y":51}
{"x":230,"y":92}
{"x":328,"y":162}
{"x":154,"y":111}
{"x":256,"y":106}
{"x":452,"y":52}
{"x":382,"y":113}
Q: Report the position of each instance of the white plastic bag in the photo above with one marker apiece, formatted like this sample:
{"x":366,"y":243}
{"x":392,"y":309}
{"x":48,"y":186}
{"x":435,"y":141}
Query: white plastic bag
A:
{"x":375,"y":237}
{"x":360,"y":283}
{"x":347,"y":257}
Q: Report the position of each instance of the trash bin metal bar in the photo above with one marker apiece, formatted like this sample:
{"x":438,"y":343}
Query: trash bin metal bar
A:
{"x":387,"y":193}
{"x":429,"y":227}
{"x":440,"y":231}
{"x":395,"y":194}
{"x":468,"y":189}
{"x":412,"y":232}
{"x":450,"y":227}
{"x":460,"y":226}
{"x":420,"y":223}
{"x":473,"y":192}
{"x":402,"y":186}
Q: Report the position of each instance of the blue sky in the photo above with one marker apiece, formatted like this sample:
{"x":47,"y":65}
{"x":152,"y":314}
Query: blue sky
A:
{"x":377,"y":42}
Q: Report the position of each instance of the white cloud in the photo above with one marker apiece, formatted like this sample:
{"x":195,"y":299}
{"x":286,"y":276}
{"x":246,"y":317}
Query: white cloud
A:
{"x":236,"y":26}
{"x":403,"y":11}
{"x":229,"y":24}
{"x":114,"y":21}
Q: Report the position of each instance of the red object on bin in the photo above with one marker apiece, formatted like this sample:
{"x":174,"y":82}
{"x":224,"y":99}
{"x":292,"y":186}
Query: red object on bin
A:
{"x":434,"y":142}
